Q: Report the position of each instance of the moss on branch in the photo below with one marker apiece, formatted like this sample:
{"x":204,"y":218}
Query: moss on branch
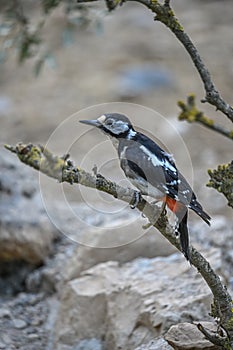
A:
{"x":222,"y":180}
{"x":63,"y":169}
{"x":190,"y":113}
{"x":166,"y":15}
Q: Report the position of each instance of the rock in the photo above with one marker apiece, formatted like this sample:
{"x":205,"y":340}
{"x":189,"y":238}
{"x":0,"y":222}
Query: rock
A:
{"x":33,"y":336}
{"x":85,"y":344}
{"x":5,"y":313}
{"x":219,"y":235}
{"x":149,"y":244}
{"x":13,"y":275}
{"x":88,"y":344}
{"x":157,"y":344}
{"x":18,"y":331}
{"x":6,"y":339}
{"x":134,"y":303}
{"x":186,"y":336}
{"x":26,"y":232}
{"x":19,"y":324}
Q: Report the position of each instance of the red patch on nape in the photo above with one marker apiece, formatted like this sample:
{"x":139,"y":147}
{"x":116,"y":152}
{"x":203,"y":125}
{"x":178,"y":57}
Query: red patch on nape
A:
{"x":173,"y":205}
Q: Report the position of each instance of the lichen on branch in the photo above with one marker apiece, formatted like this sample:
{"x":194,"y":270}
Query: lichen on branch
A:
{"x":191,"y":114}
{"x":222,"y":180}
{"x":63,"y":169}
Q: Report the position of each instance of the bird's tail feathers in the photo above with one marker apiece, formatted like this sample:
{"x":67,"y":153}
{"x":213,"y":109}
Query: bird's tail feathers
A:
{"x":184,"y":235}
{"x":196,"y":206}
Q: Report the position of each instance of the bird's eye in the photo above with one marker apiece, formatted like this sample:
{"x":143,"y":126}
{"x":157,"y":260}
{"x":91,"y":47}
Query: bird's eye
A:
{"x":109,"y":122}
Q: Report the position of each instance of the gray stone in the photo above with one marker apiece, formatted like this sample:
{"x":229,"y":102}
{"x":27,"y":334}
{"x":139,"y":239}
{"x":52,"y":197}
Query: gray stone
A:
{"x":150,"y":244}
{"x":186,"y":336}
{"x":19,"y":324}
{"x":133,"y":303}
{"x":33,"y":336}
{"x":6,"y":339}
{"x":26,"y":232}
{"x":2,"y":345}
{"x":88,"y":344}
{"x":157,"y":344}
{"x":5,"y":313}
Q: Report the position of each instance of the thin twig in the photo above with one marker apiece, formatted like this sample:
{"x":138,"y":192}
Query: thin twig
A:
{"x":190,"y":113}
{"x":211,"y":336}
{"x":212,"y":94}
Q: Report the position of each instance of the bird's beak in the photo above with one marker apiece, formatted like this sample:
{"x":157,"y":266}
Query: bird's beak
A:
{"x":93,"y":122}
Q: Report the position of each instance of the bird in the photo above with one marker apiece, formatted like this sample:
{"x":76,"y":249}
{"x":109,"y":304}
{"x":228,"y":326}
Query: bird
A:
{"x":152,"y":171}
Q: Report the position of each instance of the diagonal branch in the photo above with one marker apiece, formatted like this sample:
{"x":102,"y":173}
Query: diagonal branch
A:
{"x":165,"y":14}
{"x":62,"y":169}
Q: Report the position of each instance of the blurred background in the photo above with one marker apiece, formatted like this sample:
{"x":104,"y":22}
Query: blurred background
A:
{"x":90,"y":56}
{"x":87,"y":56}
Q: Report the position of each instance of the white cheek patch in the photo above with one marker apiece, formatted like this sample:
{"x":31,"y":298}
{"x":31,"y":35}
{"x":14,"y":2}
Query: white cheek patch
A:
{"x":117,"y":127}
{"x":102,"y":119}
{"x":120,"y":127}
{"x":131,"y":134}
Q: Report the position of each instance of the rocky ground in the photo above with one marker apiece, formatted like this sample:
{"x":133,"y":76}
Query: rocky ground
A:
{"x":88,"y":278}
{"x":143,"y":295}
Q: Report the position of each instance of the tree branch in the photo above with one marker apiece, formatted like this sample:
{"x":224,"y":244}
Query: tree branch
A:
{"x":190,"y":113}
{"x":62,"y":169}
{"x":165,"y":15}
{"x":211,"y":336}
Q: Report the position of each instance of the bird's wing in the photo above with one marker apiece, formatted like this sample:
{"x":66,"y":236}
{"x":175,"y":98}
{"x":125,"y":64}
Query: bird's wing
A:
{"x":159,"y":170}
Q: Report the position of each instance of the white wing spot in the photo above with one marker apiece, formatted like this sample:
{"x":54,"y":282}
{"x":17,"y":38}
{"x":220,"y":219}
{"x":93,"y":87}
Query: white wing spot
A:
{"x":152,"y":157}
{"x":169,"y":166}
{"x":173,"y":183}
{"x":185,"y":191}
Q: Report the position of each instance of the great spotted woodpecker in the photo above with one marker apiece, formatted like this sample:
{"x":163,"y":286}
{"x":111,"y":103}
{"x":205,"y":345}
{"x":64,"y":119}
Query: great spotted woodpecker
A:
{"x":152,"y":171}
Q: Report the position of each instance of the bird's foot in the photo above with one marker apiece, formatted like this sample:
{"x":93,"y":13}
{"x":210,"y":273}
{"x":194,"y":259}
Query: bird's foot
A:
{"x":177,"y":234}
{"x":135,"y":200}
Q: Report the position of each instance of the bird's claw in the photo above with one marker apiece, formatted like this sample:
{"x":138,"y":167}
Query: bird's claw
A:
{"x":176,"y":232}
{"x":135,"y":200}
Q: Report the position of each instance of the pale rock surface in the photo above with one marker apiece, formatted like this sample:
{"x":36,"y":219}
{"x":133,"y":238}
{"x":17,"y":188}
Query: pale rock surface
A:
{"x":157,"y":344}
{"x":26,"y":233}
{"x":129,"y":305}
{"x":150,"y":244}
{"x":186,"y":336}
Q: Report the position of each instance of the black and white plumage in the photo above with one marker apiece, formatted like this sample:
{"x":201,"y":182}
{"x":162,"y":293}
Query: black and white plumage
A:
{"x":151,"y":170}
